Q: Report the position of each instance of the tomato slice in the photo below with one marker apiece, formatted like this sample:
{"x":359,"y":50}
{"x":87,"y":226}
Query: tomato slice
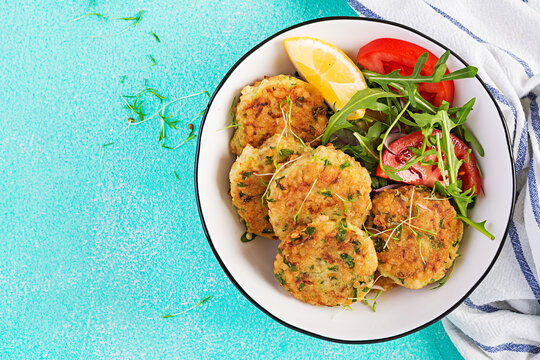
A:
{"x":386,"y":55}
{"x":398,"y":153}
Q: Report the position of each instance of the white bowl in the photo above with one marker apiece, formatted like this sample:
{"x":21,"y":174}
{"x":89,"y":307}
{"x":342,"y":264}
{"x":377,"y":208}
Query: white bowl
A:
{"x":250,"y":265}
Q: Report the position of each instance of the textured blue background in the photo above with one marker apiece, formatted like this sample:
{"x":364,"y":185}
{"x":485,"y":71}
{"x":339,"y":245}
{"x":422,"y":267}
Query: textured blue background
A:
{"x":92,"y":255}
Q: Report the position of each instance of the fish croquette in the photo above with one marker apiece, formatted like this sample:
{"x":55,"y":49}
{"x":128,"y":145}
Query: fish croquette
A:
{"x":416,"y":235}
{"x":262,"y":112}
{"x":324,"y":182}
{"x":248,"y":183}
{"x":326,"y":263}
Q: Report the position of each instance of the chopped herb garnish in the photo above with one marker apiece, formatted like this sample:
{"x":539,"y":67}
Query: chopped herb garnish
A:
{"x":310,"y":230}
{"x":176,"y":175}
{"x":285,"y":152}
{"x":241,"y":184}
{"x":347,"y":259}
{"x":342,"y":231}
{"x":345,"y":165}
{"x":279,"y":277}
{"x":326,"y":193}
{"x":441,"y":223}
{"x":301,"y":286}
{"x":379,"y":244}
{"x":290,"y":265}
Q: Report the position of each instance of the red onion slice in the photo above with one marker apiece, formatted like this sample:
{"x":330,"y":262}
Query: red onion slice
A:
{"x":390,"y":139}
{"x":387,"y":187}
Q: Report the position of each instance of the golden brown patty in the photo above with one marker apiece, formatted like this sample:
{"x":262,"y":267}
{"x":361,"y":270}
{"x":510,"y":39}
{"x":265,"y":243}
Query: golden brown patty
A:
{"x":247,"y":186}
{"x":325,"y":182}
{"x":259,"y":112}
{"x":326,"y":263}
{"x":420,"y":253}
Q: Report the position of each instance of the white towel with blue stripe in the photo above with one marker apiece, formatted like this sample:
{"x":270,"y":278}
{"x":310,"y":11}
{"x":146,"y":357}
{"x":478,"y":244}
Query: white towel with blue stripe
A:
{"x":501,"y":319}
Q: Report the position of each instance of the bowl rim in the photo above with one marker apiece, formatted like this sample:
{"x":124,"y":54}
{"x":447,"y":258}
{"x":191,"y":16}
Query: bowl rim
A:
{"x":224,"y":267}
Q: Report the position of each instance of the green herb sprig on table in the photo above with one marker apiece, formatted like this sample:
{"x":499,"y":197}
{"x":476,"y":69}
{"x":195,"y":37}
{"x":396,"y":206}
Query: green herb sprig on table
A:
{"x":207,"y":298}
{"x":138,"y":103}
{"x":167,"y":119}
{"x":135,"y":19}
{"x":155,"y":36}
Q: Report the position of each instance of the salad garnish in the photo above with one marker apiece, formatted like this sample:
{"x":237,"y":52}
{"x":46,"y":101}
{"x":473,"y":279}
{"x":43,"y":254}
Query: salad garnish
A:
{"x":437,"y":125}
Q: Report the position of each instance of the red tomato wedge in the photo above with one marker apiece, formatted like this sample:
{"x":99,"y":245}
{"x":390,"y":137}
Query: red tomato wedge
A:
{"x":386,"y":55}
{"x":398,"y":154}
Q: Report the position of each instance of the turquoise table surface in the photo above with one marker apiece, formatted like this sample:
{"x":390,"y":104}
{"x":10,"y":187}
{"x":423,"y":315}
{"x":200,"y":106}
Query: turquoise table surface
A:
{"x":97,"y":246}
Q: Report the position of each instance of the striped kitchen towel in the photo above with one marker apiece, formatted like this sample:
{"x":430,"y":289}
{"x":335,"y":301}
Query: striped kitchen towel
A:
{"x":501,"y":319}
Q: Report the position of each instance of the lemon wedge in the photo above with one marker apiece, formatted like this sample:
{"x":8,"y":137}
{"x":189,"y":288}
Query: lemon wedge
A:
{"x":327,"y":68}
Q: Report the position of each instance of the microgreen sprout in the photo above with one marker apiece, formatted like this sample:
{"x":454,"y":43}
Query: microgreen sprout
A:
{"x":287,"y":118}
{"x":102,"y":17}
{"x":136,"y":18}
{"x":207,"y":298}
{"x":445,"y":279}
{"x":166,"y":119}
{"x":373,"y":306}
{"x":301,"y":205}
{"x":232,"y":114}
{"x":154,"y":62}
{"x":155,"y":36}
{"x":263,"y":197}
{"x":103,"y":151}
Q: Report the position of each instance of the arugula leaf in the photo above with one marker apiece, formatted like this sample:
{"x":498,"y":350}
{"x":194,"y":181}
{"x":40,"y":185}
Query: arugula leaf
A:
{"x":448,"y":162}
{"x":408,"y":85}
{"x":363,"y":99}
